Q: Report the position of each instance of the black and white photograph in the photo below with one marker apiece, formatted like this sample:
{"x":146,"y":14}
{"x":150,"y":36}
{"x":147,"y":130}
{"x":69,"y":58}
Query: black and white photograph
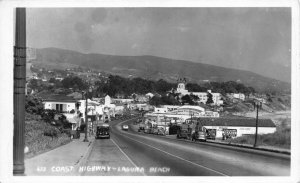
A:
{"x":179,"y":91}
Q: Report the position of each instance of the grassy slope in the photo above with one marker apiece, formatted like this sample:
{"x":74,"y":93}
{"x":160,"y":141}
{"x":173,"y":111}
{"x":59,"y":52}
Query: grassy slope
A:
{"x":35,"y":139}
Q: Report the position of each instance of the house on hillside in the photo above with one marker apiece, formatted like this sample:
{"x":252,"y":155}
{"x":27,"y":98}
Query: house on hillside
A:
{"x":239,"y":96}
{"x":216,"y":97}
{"x":61,"y":103}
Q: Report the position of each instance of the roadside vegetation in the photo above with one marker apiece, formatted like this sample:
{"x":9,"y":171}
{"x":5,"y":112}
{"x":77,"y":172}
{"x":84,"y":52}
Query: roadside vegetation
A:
{"x":280,"y":139}
{"x":42,"y":131}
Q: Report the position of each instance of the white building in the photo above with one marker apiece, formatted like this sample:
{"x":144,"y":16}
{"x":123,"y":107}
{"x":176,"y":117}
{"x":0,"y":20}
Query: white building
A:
{"x":171,"y":107}
{"x":160,"y":110}
{"x":61,"y":105}
{"x":202,"y":95}
{"x":182,"y":113}
{"x":238,"y":126}
{"x":96,"y":109}
{"x":150,"y":95}
{"x":122,"y":101}
{"x":240,"y":96}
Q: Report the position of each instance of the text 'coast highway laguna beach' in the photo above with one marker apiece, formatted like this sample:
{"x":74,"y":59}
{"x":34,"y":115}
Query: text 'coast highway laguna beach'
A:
{"x":153,"y":91}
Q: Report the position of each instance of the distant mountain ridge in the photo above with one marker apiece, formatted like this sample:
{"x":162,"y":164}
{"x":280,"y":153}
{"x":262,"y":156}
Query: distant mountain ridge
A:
{"x":152,"y":67}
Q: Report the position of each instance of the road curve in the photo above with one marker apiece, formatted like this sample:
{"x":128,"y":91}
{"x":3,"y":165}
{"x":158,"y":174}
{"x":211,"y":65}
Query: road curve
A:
{"x":168,"y":157}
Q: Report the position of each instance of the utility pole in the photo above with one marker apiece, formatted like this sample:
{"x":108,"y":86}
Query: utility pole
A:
{"x":86,"y":120}
{"x":19,"y":92}
{"x":86,"y":113}
{"x":257,"y":105}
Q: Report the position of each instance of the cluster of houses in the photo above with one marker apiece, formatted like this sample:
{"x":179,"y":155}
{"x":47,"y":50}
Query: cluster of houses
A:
{"x":216,"y":97}
{"x":165,"y":115}
{"x":75,"y":109}
{"x":101,"y":109}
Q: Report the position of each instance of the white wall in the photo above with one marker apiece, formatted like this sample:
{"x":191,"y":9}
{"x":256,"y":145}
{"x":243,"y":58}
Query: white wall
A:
{"x":244,"y":130}
{"x":160,"y":110}
{"x":52,"y":105}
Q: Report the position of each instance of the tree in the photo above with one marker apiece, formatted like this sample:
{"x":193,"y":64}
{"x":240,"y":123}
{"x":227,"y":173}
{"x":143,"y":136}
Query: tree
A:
{"x":195,"y":87}
{"x":209,"y":98}
{"x":33,"y":105}
{"x":74,"y":82}
{"x":161,"y":86}
{"x":169,"y":100}
{"x":187,"y":99}
{"x":156,"y":101}
{"x":52,"y":80}
{"x":33,"y":84}
{"x":194,"y":98}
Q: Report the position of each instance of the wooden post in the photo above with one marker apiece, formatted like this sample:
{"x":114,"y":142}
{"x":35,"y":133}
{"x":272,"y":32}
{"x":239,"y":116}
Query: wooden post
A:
{"x":86,"y":120}
{"x":256,"y":125}
{"x":19,"y":92}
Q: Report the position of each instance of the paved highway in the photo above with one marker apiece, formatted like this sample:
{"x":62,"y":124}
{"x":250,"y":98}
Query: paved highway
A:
{"x":132,"y":153}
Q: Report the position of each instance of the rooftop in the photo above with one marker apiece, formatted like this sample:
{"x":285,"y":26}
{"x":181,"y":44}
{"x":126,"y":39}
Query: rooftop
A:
{"x":57,"y":98}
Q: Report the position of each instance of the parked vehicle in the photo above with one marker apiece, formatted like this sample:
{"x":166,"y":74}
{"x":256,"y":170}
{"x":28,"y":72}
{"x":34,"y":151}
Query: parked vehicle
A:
{"x":141,"y":127}
{"x":211,"y":134}
{"x":148,"y":128}
{"x":199,"y":135}
{"x":103,"y":131}
{"x":184,"y":131}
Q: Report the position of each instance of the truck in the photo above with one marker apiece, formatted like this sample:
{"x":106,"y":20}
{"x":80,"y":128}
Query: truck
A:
{"x":184,"y":131}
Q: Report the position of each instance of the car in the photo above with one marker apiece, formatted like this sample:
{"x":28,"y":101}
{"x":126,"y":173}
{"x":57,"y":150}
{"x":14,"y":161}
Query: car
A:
{"x":125,"y":127}
{"x":103,"y":131}
{"x":141,"y":128}
{"x":199,"y":135}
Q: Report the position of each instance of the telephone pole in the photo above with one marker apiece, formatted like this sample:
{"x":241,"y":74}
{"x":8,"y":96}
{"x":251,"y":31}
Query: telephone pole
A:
{"x":19,"y":92}
{"x":257,"y":105}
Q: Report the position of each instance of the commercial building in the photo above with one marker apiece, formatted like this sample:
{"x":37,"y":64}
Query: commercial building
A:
{"x":237,"y":126}
{"x":181,"y":112}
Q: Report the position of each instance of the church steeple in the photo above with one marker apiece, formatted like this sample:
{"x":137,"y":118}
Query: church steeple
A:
{"x":181,"y":85}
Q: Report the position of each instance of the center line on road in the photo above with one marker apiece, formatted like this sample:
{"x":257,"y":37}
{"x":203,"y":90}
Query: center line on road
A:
{"x":176,"y":156}
{"x":126,"y":155}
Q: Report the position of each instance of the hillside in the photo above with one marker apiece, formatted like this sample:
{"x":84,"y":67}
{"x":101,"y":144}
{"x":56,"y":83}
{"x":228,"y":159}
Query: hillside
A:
{"x":155,"y":68}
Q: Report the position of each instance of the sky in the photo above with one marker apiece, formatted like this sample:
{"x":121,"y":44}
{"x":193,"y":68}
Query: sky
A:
{"x":241,"y":38}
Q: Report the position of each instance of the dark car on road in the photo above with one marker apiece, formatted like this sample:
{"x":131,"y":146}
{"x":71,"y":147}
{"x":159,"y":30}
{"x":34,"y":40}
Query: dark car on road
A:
{"x":103,"y":131}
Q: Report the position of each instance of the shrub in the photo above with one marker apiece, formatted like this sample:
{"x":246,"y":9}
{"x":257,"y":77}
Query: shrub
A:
{"x":39,"y":136}
{"x":51,"y":133}
{"x":281,"y":138}
{"x":33,"y":105}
